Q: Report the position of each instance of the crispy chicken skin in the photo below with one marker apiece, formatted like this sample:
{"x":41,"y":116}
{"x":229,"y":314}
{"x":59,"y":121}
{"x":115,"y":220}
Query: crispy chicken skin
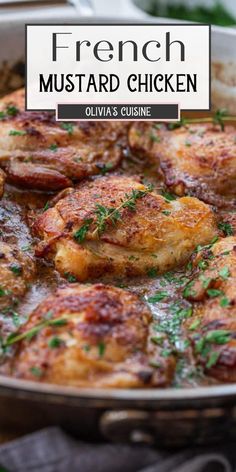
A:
{"x":100,"y":340}
{"x":213,"y":292}
{"x":196,"y":159}
{"x":153,"y":235}
{"x":16,"y":270}
{"x":38,"y":152}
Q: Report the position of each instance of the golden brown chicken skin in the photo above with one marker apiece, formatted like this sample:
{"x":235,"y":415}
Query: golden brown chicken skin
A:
{"x":16,"y":270}
{"x":91,"y":335}
{"x":212,"y":329}
{"x":38,"y":152}
{"x":116,"y":225}
{"x":197,"y":159}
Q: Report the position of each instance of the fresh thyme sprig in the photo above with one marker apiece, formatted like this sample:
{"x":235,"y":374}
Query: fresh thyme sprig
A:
{"x":219,"y":118}
{"x":16,"y":337}
{"x":104,"y":214}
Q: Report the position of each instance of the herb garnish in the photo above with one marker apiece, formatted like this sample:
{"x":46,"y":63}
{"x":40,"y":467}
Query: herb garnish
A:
{"x":16,"y":269}
{"x":155,"y":138}
{"x":3,"y":292}
{"x":224,"y":273}
{"x":15,"y":132}
{"x":152,"y":272}
{"x":29,"y":334}
{"x":159,"y":296}
{"x":55,"y":342}
{"x":224,"y":302}
{"x":166,"y":212}
{"x":219,"y":118}
{"x":203,"y":345}
{"x":70,"y":277}
{"x":213,"y":358}
{"x":81,"y":233}
{"x":101,"y":348}
{"x":69,"y":127}
{"x":226,"y":228}
{"x":104,"y":168}
{"x":11,"y":110}
{"x":36,"y":371}
{"x":53,"y":147}
{"x":113,"y":215}
{"x":168,"y":196}
{"x":171,"y":326}
{"x":214,"y":292}
{"x":188,"y":291}
{"x":207,"y":246}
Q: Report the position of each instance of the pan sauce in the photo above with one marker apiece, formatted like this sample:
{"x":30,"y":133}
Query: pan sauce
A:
{"x":17,"y":204}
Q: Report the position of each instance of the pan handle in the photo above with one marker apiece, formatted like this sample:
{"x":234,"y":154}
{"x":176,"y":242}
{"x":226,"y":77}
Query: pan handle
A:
{"x":168,"y":427}
{"x":128,"y":425}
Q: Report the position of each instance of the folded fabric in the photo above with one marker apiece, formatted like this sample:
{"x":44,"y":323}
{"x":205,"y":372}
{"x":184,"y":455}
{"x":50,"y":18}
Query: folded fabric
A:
{"x":51,"y":450}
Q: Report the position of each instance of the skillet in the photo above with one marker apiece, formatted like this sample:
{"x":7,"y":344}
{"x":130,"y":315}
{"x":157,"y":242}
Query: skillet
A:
{"x":169,"y":417}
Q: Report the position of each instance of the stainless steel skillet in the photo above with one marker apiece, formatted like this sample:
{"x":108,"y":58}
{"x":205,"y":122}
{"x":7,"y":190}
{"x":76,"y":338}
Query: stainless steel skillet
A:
{"x":170,"y":417}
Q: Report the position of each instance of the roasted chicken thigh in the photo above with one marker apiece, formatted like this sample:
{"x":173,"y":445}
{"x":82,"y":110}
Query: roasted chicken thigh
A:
{"x":91,"y":335}
{"x":16,"y":270}
{"x":116,"y":225}
{"x":38,"y":152}
{"x":198,"y":159}
{"x":212,"y":290}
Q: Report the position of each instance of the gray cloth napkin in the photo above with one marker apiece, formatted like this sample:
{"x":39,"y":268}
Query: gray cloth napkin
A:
{"x":51,"y":450}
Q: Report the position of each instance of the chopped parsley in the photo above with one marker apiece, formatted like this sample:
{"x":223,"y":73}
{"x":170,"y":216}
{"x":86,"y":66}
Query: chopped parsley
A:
{"x":202,"y":264}
{"x":104,"y":168}
{"x":188,"y":143}
{"x":157,"y":340}
{"x":203,"y":345}
{"x":224,"y":273}
{"x":155,"y":138}
{"x":207,"y":246}
{"x":188,"y":290}
{"x":53,"y":147}
{"x":166,"y":212}
{"x":12,"y":110}
{"x":15,"y":132}
{"x":36,"y":371}
{"x":224,"y":302}
{"x":171,"y":325}
{"x":101,"y":348}
{"x":168,"y":196}
{"x":16,"y":269}
{"x":159,"y":296}
{"x":3,"y":292}
{"x":46,"y":206}
{"x":25,"y":248}
{"x":55,"y":342}
{"x":214,"y":292}
{"x":152,"y":272}
{"x":70,"y":277}
{"x":69,"y":127}
{"x":213,"y":358}
{"x":86,"y":347}
{"x":226,"y":228}
{"x":195,"y":324}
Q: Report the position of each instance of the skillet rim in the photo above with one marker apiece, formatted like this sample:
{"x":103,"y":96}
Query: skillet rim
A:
{"x":26,"y":388}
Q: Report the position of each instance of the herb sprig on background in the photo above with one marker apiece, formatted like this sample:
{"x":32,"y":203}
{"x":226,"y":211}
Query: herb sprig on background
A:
{"x":219,"y":118}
